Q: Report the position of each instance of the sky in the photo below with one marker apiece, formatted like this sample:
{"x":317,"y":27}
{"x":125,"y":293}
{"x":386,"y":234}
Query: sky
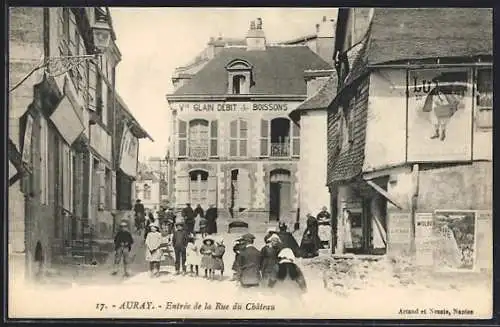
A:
{"x":154,"y":41}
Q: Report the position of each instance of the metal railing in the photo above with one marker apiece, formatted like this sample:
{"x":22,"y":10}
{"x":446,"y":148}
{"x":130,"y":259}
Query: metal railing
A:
{"x":280,"y":149}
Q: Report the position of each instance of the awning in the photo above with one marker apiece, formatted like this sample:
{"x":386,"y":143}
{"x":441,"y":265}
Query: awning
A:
{"x":67,"y":121}
{"x":384,"y":194}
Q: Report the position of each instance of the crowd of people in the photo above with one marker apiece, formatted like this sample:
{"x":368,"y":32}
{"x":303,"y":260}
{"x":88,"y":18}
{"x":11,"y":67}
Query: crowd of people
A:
{"x":196,"y":252}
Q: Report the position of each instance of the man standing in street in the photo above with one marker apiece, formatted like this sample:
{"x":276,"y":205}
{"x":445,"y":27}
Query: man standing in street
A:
{"x":180,"y":240}
{"x":211,"y":216}
{"x":123,"y":245}
{"x":139,"y":215}
{"x":188,"y":215}
{"x":248,"y":263}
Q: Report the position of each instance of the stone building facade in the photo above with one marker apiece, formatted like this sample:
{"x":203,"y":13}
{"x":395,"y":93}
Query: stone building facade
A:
{"x":233,"y":143}
{"x":62,"y":120}
{"x":401,"y":178}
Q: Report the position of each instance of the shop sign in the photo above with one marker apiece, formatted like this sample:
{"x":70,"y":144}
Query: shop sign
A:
{"x":232,"y":107}
{"x":439,"y":115}
{"x":67,"y":121}
{"x":455,"y":240}
{"x":424,"y":238}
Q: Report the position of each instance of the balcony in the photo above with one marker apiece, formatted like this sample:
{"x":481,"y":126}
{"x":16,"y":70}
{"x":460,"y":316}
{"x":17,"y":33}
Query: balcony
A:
{"x":280,"y":150}
{"x":198,"y":151}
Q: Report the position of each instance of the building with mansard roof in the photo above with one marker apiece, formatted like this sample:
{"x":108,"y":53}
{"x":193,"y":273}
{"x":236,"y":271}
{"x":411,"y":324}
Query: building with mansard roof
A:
{"x":233,"y":144}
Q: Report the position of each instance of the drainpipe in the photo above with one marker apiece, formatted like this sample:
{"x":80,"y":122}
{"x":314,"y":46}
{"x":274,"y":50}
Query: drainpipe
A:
{"x":414,"y":206}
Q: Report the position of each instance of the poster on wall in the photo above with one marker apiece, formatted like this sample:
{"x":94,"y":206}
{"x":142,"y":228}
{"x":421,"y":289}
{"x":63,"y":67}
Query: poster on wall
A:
{"x":455,"y":240}
{"x":484,"y":240}
{"x":399,"y":228}
{"x":424,"y":238}
{"x":439,"y":115}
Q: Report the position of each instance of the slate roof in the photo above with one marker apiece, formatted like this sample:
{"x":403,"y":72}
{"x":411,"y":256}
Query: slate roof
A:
{"x":406,"y":33}
{"x":320,"y":100}
{"x":277,"y":70}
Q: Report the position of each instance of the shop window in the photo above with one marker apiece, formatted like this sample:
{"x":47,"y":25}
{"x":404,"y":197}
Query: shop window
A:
{"x":238,"y":138}
{"x":198,"y":138}
{"x":182,"y":139}
{"x":484,"y":99}
{"x":213,"y":138}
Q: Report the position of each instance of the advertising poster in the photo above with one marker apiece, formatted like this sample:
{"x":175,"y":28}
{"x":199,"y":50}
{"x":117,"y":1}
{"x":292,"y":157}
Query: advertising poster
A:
{"x":424,"y":238}
{"x":484,"y":242}
{"x":455,"y":240}
{"x":399,"y":229}
{"x":439,"y":115}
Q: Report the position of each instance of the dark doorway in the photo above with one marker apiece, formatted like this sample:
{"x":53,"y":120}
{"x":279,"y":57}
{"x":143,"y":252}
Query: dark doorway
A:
{"x":280,"y":188}
{"x":274,"y":201}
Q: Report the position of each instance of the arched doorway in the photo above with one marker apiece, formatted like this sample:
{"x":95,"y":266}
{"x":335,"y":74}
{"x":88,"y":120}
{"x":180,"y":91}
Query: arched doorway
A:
{"x":280,"y":194}
{"x":198,"y":187}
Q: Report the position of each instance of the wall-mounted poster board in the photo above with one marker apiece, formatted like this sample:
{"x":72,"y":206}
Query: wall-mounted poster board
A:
{"x":455,"y":240}
{"x":424,"y":238}
{"x":439,"y":115}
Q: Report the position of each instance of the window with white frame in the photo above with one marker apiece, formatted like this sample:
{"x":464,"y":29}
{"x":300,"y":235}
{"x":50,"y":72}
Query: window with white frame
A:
{"x":238,"y":138}
{"x":264,"y":137}
{"x":295,"y":140}
{"x":199,"y":138}
{"x":147,"y":192}
{"x":239,"y":73}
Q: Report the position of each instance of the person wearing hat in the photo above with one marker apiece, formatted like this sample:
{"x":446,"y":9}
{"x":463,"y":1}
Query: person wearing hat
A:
{"x":180,"y":240}
{"x":288,"y":240}
{"x":207,"y":250}
{"x":248,"y":264}
{"x":219,"y":251}
{"x":269,"y":257}
{"x":269,"y":232}
{"x":153,"y":252}
{"x":237,"y":247}
{"x":288,"y":278}
{"x":139,"y":215}
{"x":189,"y":218}
{"x":123,"y":244}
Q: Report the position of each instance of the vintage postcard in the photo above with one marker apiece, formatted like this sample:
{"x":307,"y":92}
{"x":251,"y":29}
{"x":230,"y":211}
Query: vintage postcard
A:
{"x":326,"y":163}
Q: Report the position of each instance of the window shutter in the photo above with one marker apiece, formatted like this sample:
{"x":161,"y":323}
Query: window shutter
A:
{"x":295,"y":140}
{"x":182,"y":190}
{"x":264,"y":138}
{"x":101,"y":176}
{"x":92,"y":86}
{"x":104,"y":102}
{"x":243,"y":138}
{"x":66,"y":173}
{"x":212,"y":190}
{"x":244,"y":189}
{"x":233,"y":142}
{"x":213,"y":138}
{"x":113,"y":190}
{"x":182,"y":139}
{"x":73,"y":34}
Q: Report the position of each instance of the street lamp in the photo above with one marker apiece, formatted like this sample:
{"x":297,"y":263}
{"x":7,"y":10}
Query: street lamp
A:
{"x":57,"y":66}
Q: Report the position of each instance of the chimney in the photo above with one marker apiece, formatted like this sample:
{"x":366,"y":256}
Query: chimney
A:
{"x":256,"y":39}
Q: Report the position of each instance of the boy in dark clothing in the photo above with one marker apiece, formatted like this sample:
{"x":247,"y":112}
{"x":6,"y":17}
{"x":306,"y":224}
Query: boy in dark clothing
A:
{"x":123,"y":245}
{"x":180,"y":240}
{"x":139,"y":215}
{"x":151,"y":219}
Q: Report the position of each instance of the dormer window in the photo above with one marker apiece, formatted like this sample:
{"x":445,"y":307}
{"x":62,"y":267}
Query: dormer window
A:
{"x":239,"y":73}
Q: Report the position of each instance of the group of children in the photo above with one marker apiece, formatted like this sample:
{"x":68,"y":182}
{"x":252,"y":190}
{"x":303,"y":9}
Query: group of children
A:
{"x":189,"y":250}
